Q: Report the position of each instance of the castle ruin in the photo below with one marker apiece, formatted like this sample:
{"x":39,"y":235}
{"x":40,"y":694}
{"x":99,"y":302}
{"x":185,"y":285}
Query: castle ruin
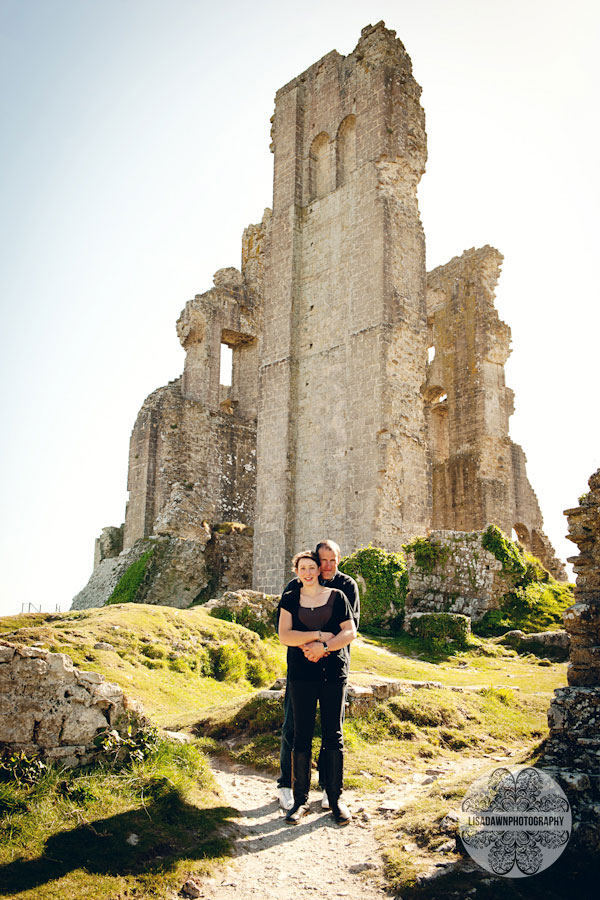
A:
{"x":368,"y":398}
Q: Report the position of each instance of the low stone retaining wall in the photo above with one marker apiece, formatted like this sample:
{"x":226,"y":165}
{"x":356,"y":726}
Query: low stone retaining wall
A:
{"x":361,"y":698}
{"x":465,"y":578}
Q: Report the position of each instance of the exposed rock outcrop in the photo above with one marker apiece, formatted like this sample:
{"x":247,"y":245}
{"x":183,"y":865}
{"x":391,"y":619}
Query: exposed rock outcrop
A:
{"x":51,"y":709}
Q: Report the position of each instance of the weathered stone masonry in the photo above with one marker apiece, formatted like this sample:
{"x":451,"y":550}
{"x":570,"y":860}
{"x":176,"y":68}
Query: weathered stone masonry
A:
{"x":368,"y":399}
{"x":573,"y":749}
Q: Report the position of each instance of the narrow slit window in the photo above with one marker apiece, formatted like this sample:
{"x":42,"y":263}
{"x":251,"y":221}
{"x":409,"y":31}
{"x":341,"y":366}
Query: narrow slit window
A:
{"x":226,"y":365}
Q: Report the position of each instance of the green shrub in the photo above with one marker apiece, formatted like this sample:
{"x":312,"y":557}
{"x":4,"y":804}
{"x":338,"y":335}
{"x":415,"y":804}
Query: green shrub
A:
{"x":255,"y":717}
{"x":382,"y":582}
{"x":228,"y":662}
{"x":17,"y":766}
{"x":537,"y":606}
{"x":153,"y":651}
{"x":128,"y":585}
{"x":248,"y":618}
{"x":127,"y":746}
{"x":257,"y":672}
{"x":427,"y":553}
{"x":441,"y":630}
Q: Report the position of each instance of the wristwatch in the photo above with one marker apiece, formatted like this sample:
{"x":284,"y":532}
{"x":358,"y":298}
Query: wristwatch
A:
{"x":325,"y":647}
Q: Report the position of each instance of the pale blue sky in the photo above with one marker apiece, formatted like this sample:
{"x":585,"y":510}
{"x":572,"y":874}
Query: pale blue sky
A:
{"x":134,"y":151}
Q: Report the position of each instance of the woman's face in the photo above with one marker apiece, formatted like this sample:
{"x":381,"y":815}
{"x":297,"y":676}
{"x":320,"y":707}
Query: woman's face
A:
{"x":308,"y":571}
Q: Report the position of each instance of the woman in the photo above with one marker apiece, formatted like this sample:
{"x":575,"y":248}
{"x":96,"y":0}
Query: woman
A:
{"x":317,"y":630}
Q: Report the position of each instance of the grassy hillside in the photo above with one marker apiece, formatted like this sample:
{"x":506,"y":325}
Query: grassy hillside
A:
{"x":176,"y":662}
{"x":139,"y":827}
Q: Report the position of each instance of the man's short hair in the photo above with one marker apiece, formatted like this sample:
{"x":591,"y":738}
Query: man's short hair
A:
{"x":330,"y":545}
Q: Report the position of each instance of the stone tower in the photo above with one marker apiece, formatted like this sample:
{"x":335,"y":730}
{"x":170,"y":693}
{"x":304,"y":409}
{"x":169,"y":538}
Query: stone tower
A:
{"x":367,"y":400}
{"x":341,"y":443}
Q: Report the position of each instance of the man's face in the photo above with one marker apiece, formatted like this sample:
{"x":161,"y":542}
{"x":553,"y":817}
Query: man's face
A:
{"x":329,"y":561}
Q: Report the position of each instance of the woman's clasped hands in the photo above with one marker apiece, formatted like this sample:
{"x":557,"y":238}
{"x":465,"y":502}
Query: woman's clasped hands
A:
{"x":314,"y":651}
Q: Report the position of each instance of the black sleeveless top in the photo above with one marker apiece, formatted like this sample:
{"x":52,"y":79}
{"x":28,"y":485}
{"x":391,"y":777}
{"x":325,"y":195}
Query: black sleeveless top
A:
{"x":335,"y":611}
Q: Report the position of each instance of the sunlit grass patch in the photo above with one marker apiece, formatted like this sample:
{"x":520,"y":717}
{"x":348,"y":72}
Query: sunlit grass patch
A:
{"x":100,"y":832}
{"x":177,"y":662}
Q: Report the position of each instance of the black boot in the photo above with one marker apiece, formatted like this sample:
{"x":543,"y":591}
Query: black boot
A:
{"x":300,"y":786}
{"x":334,"y":770}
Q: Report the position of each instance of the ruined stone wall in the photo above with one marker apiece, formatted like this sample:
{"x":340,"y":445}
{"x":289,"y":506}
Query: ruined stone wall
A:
{"x":109,"y":544}
{"x":190,"y":466}
{"x":334,"y":422}
{"x":573,"y":748}
{"x":52,"y":709}
{"x":582,"y":620}
{"x":478,"y":473}
{"x":341,"y":444}
{"x":466,"y":579}
{"x":192,"y":455}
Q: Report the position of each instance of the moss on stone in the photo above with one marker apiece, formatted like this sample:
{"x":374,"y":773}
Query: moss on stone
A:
{"x":128,"y":586}
{"x":428,"y":553}
{"x":505,"y":550}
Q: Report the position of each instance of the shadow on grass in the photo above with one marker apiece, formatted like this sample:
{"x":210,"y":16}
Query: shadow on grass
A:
{"x":411,"y":647}
{"x":166,"y":830}
{"x":572,"y":875}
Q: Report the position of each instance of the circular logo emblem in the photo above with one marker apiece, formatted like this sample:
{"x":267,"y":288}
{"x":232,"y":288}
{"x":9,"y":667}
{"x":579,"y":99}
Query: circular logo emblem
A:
{"x":515,"y":822}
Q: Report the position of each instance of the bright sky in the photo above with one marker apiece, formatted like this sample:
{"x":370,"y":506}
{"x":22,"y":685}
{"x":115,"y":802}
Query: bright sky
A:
{"x":135,"y":151}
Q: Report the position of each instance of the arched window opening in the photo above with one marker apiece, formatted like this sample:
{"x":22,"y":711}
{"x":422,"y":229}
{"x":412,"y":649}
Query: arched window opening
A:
{"x":520,"y":533}
{"x":346,"y":149}
{"x":319,"y":167}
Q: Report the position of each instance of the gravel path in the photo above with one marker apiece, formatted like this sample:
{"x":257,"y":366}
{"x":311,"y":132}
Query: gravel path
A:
{"x":316,"y":859}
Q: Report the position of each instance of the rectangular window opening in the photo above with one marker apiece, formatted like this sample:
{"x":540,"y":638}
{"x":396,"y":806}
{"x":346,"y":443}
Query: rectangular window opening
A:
{"x":226,"y":365}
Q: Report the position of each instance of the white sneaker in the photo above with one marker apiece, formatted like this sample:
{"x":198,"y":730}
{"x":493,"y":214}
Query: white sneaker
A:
{"x":285,"y":797}
{"x":343,"y":815}
{"x":325,"y":801}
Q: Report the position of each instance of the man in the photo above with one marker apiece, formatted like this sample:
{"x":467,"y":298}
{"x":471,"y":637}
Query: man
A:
{"x":329,"y":556}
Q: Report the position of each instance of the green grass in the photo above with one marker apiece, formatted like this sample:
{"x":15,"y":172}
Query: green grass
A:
{"x":67,"y":835}
{"x":484,"y":662}
{"x":165,"y":657}
{"x":492,"y":714}
{"x":70,"y":834}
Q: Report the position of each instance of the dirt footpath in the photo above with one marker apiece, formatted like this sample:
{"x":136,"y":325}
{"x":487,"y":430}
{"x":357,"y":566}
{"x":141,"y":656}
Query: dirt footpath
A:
{"x":316,"y":859}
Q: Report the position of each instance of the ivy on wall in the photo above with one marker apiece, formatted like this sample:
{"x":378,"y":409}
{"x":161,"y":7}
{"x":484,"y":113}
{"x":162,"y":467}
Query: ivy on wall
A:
{"x":383,"y":583}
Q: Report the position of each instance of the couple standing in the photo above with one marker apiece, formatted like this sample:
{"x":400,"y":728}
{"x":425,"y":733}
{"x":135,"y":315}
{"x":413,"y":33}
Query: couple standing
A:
{"x":319,"y":613}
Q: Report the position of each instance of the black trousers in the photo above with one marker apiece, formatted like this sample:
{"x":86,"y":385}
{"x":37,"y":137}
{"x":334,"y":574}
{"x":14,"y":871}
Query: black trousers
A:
{"x":331,"y":696}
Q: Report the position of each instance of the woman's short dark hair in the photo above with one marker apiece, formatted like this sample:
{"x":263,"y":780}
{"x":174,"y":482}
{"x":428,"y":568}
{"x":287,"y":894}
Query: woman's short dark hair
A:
{"x":305,"y":554}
